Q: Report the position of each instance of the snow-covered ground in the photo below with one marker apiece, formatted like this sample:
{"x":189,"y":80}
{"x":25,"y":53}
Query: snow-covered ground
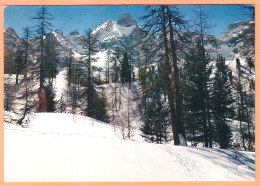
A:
{"x":66,"y":147}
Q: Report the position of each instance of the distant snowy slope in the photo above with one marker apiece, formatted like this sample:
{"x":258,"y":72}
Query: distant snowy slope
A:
{"x":57,"y":147}
{"x":109,"y":29}
{"x":234,"y":30}
{"x":60,"y":84}
{"x":75,"y":42}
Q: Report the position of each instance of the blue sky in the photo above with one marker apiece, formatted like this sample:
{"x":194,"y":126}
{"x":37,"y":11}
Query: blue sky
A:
{"x":68,"y":18}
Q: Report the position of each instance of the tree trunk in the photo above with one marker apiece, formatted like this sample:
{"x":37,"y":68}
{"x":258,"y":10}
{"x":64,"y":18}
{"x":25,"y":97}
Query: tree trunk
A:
{"x":168,"y":80}
{"x":176,"y":85}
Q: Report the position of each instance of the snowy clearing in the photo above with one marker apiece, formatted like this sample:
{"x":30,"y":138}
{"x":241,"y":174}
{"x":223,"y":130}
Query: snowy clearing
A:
{"x":57,"y":147}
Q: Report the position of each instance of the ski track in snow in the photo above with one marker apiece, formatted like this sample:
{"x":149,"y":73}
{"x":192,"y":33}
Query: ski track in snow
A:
{"x":63,"y":147}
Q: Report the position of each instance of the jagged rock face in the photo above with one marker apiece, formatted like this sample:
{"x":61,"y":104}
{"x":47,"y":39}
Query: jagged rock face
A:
{"x":75,"y":43}
{"x":74,"y":32}
{"x":230,"y":44}
{"x":125,"y":33}
{"x":60,"y":32}
{"x":11,"y":38}
{"x":126,"y":21}
{"x":237,"y":25}
{"x":116,"y":33}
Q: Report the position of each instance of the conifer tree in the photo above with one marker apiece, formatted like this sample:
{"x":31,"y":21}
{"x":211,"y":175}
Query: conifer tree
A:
{"x":108,"y":66}
{"x":50,"y":57}
{"x":89,"y":44}
{"x":99,"y":102}
{"x":96,"y":101}
{"x":197,"y":78}
{"x":27,"y":48}
{"x":68,"y":64}
{"x":174,"y":17}
{"x":61,"y":105}
{"x":240,"y":103}
{"x":202,"y":24}
{"x":26,"y":98}
{"x":50,"y":98}
{"x":155,"y":124}
{"x":18,"y":63}
{"x":157,"y":20}
{"x":116,"y":60}
{"x":73,"y":69}
{"x":222,"y":102}
{"x":43,"y":25}
{"x":125,"y":70}
{"x":245,"y":108}
{"x":25,"y":93}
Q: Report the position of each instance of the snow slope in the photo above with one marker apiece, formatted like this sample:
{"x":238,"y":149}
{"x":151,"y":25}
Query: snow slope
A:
{"x":63,"y":147}
{"x":60,"y":84}
{"x":110,"y":28}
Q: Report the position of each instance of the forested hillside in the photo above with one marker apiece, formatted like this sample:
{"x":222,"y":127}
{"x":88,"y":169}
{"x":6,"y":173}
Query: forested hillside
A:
{"x":162,"y":81}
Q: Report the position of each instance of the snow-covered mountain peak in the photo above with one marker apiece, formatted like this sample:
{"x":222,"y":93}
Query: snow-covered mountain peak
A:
{"x":238,"y":24}
{"x":126,"y":20}
{"x":234,"y":30}
{"x":10,"y":31}
{"x":74,"y":40}
{"x":59,"y":31}
{"x":106,"y":25}
{"x":109,"y":30}
{"x":74,"y":32}
{"x":59,"y":36}
{"x":11,"y":38}
{"x":125,"y":33}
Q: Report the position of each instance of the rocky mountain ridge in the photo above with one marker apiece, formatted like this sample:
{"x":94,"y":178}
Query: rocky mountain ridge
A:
{"x":125,"y":33}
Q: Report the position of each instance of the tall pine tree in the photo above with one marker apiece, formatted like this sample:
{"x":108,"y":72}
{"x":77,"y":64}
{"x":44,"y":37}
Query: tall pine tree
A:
{"x":157,"y":20}
{"x":195,"y":91}
{"x":222,"y":103}
{"x":43,"y":25}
